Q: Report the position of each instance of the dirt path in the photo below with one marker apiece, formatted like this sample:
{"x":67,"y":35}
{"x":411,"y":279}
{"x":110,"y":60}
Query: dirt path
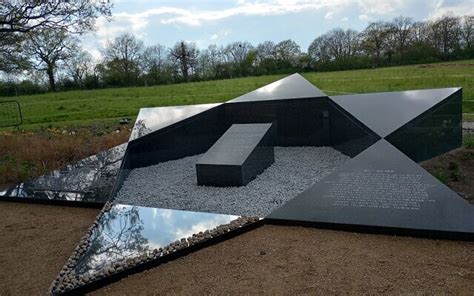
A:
{"x":296,"y":260}
{"x":35,"y":242}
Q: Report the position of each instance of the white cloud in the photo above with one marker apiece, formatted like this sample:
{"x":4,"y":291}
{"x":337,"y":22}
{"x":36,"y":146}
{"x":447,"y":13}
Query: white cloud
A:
{"x":139,"y":23}
{"x":329,"y":15}
{"x":195,"y":17}
{"x":220,"y":34}
{"x":364,"y":17}
{"x":452,"y":7}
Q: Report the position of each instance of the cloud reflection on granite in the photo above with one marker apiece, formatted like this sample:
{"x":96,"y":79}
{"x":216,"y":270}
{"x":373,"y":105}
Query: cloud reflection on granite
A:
{"x":88,"y":180}
{"x":152,"y":119}
{"x":131,"y":231}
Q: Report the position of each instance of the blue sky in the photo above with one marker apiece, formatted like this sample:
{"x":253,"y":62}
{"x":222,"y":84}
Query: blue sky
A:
{"x":221,"y":22}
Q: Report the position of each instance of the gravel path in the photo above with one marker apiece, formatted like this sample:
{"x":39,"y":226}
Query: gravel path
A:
{"x":173,"y":184}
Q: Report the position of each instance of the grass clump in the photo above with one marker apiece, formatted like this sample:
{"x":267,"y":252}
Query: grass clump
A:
{"x":469,"y":141}
{"x":441,"y":175}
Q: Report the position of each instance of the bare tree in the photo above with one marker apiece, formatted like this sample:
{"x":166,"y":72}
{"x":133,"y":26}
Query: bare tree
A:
{"x":210,"y":60}
{"x":467,"y":31}
{"x":419,"y":32}
{"x":374,"y":39}
{"x":334,"y":45}
{"x":48,"y":48}
{"x":186,"y":56}
{"x":21,"y":19}
{"x":237,"y":51}
{"x":72,"y":16}
{"x":287,"y":51}
{"x":79,"y":66}
{"x":122,"y":57}
{"x":153,"y":62}
{"x":11,"y":58}
{"x":446,"y":32}
{"x":265,"y":51}
{"x":401,"y":28}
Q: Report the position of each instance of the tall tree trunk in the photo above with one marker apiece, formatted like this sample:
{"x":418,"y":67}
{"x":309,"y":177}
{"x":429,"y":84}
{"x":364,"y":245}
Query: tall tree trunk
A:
{"x":50,"y":72}
{"x":184,"y":61}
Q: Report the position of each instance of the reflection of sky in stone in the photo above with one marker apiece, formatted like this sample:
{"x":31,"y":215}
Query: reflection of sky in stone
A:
{"x":130,"y":231}
{"x":386,"y":112}
{"x":152,"y":119}
{"x":163,"y":226}
{"x":290,"y":87}
{"x":268,"y":89}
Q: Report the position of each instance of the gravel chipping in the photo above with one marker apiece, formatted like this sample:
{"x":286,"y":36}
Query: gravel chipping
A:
{"x":173,"y":185}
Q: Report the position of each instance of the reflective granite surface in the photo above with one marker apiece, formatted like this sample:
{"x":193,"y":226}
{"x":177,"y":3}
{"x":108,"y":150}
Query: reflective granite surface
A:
{"x":243,"y":152}
{"x":386,"y":112}
{"x":291,"y":87}
{"x":435,"y":132}
{"x":381,"y":188}
{"x":127,"y":232}
{"x":152,"y":119}
{"x":88,"y":180}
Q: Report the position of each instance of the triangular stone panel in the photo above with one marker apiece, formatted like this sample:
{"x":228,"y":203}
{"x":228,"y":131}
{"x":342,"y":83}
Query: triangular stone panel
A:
{"x":290,"y":87}
{"x":434,"y":132}
{"x":382,"y":189}
{"x":386,"y":112}
{"x":127,"y":237}
{"x":152,"y":119}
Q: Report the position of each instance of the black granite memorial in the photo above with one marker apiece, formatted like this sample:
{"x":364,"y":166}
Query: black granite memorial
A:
{"x":381,"y":189}
{"x":243,"y":152}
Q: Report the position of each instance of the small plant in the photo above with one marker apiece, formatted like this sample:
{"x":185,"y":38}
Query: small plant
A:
{"x":467,"y":155}
{"x":453,"y":166}
{"x":455,"y":175}
{"x":441,"y":175}
{"x":454,"y":172}
{"x":469,"y":141}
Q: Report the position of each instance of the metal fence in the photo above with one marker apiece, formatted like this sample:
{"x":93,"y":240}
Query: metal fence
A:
{"x":10,"y":114}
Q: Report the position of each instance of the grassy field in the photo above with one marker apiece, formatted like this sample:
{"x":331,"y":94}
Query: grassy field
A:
{"x":106,"y":106}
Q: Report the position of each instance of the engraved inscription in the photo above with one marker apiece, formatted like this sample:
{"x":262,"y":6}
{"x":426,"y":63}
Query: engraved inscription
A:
{"x":379,"y":189}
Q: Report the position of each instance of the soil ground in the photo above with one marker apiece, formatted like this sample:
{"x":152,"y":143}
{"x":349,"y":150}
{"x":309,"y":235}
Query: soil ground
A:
{"x":35,"y":242}
{"x":270,"y":260}
{"x":296,"y":260}
{"x":455,"y":169}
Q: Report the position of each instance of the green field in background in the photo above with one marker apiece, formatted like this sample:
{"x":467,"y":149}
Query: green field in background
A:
{"x":106,"y":106}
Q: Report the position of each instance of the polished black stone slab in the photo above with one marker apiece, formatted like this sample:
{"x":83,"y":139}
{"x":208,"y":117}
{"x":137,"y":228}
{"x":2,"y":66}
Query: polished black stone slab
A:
{"x":243,"y":152}
{"x":290,"y":87}
{"x":88,"y":181}
{"x":127,"y":237}
{"x":306,"y":122}
{"x":382,"y":190}
{"x":388,"y":111}
{"x":191,"y":136}
{"x":152,"y":119}
{"x":434,"y":132}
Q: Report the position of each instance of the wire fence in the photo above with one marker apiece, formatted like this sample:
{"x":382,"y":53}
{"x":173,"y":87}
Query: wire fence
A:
{"x":10,"y":114}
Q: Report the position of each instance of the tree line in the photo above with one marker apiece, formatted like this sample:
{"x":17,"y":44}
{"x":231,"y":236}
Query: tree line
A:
{"x":54,"y":52}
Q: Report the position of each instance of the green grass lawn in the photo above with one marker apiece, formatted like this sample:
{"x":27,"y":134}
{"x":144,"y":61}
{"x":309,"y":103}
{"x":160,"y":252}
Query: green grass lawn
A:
{"x":81,"y":108}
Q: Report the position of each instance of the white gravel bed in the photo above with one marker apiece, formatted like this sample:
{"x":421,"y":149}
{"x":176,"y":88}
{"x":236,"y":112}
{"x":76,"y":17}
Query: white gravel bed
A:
{"x":173,"y":185}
